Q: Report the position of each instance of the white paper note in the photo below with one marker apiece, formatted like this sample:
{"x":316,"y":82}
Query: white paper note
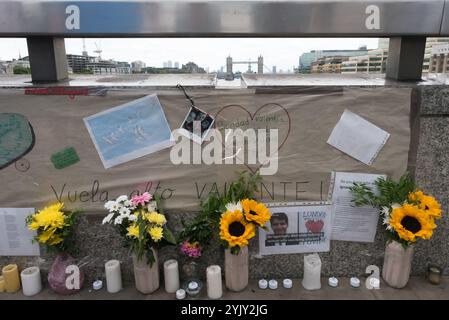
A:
{"x":358,"y":137}
{"x":15,"y":238}
{"x":351,"y":223}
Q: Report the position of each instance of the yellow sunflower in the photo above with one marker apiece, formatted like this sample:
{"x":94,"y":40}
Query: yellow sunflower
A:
{"x":256,"y":212}
{"x":427,"y":203}
{"x":235,"y":230}
{"x":411,"y":222}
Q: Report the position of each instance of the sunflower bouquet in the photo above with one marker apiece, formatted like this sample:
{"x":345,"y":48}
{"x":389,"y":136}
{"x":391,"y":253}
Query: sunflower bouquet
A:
{"x":141,"y":222}
{"x":54,"y":227}
{"x":407,"y":213}
{"x":231,"y":218}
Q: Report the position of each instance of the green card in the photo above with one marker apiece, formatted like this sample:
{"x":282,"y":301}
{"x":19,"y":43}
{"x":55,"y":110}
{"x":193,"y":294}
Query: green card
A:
{"x":65,"y":158}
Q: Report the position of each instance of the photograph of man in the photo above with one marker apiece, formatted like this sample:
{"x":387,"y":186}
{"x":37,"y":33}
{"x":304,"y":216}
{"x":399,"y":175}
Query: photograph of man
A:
{"x":280,"y":237}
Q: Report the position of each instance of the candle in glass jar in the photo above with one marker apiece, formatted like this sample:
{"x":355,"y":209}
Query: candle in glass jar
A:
{"x":113,"y":276}
{"x":11,"y":276}
{"x":312,"y":272}
{"x":214,"y":282}
{"x":434,"y":275}
{"x":31,"y":281}
{"x":171,"y":276}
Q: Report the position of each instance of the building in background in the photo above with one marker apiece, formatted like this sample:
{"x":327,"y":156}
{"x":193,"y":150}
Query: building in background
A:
{"x":383,"y":43}
{"x":373,"y":62}
{"x":328,"y":64}
{"x":137,"y":66}
{"x":430,"y":43}
{"x":439,"y":58}
{"x":306,"y":59}
{"x":273,"y":70}
{"x":19,"y":66}
{"x":192,"y":67}
{"x":177,"y":65}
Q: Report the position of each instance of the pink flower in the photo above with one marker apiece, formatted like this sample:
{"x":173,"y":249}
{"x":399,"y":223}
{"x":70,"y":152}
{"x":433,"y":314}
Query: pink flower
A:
{"x":193,"y":250}
{"x":136,"y":200}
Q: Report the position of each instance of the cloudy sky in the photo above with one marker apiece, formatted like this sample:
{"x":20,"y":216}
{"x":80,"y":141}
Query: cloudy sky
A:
{"x":206,"y":52}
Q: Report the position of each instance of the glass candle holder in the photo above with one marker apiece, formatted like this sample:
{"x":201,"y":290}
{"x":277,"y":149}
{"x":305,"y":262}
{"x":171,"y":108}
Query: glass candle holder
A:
{"x":434,"y":275}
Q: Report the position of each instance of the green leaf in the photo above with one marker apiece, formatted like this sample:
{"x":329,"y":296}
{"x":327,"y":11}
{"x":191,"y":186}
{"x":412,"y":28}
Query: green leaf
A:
{"x":169,"y":236}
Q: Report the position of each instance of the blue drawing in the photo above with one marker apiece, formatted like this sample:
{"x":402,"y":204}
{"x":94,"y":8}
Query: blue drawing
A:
{"x":129,"y":131}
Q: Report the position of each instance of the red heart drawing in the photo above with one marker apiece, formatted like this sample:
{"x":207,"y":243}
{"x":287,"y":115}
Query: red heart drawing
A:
{"x":252,"y":117}
{"x":314,"y":226}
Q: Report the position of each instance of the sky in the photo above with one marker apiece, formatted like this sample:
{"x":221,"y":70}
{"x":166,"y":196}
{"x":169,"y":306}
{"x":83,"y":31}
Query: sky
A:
{"x":206,"y":52}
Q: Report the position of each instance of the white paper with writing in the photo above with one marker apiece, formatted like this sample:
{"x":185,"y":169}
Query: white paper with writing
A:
{"x":15,"y":238}
{"x":351,"y":223}
{"x":358,"y":137}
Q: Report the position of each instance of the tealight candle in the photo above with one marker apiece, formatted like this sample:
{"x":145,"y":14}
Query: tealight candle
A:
{"x":287,"y":283}
{"x":31,"y":281}
{"x":97,"y":285}
{"x":333,"y":282}
{"x":263,"y":284}
{"x":113,"y":276}
{"x":375,"y":283}
{"x":11,"y":276}
{"x":171,"y":275}
{"x":355,"y":282}
{"x":180,"y":294}
{"x":273,"y":284}
{"x":193,"y":285}
{"x":434,"y":275}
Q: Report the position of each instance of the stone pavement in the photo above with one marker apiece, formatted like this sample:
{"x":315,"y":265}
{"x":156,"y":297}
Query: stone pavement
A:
{"x":417,"y":289}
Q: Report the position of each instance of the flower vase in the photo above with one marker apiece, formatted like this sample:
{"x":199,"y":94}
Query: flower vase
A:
{"x":190,"y":270}
{"x":397,"y":264}
{"x":64,"y":276}
{"x":146,"y":276}
{"x":236,"y":269}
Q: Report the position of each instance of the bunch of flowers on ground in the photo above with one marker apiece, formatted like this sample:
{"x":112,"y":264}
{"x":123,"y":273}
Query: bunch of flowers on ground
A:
{"x":407,"y":213}
{"x":140,"y":221}
{"x":54,"y":226}
{"x":231,"y":217}
{"x":192,"y":250}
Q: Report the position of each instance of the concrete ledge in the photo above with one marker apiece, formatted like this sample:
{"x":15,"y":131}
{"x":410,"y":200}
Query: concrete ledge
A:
{"x":417,"y":289}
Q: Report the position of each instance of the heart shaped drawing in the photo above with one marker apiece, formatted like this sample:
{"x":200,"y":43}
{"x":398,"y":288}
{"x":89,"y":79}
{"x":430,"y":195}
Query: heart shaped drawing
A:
{"x":314,"y":226}
{"x":16,"y":138}
{"x":259,"y":119}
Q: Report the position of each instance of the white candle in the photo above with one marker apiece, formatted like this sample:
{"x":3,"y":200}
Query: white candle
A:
{"x":355,"y":282}
{"x":171,"y":276}
{"x":263,"y":284}
{"x":113,"y":276}
{"x":273,"y":284}
{"x":312,"y":272}
{"x":31,"y":281}
{"x":214,"y":282}
{"x":333,"y":282}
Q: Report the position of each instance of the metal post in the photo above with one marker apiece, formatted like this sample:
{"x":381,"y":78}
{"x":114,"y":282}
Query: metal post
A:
{"x":405,"y":58}
{"x":48,"y":59}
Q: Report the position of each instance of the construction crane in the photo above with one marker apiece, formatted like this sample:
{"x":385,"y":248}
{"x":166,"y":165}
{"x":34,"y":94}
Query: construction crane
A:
{"x":98,"y":51}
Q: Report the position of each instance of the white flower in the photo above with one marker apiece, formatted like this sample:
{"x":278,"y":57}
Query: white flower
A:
{"x":124,"y":211}
{"x":395,"y":206}
{"x":234,"y":206}
{"x":385,"y":211}
{"x":128,"y":203}
{"x":122,"y":198}
{"x":132,"y":217}
{"x":109,"y":204}
{"x":386,"y":221}
{"x":118,"y":220}
{"x":152,"y":206}
{"x":108,"y":218}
